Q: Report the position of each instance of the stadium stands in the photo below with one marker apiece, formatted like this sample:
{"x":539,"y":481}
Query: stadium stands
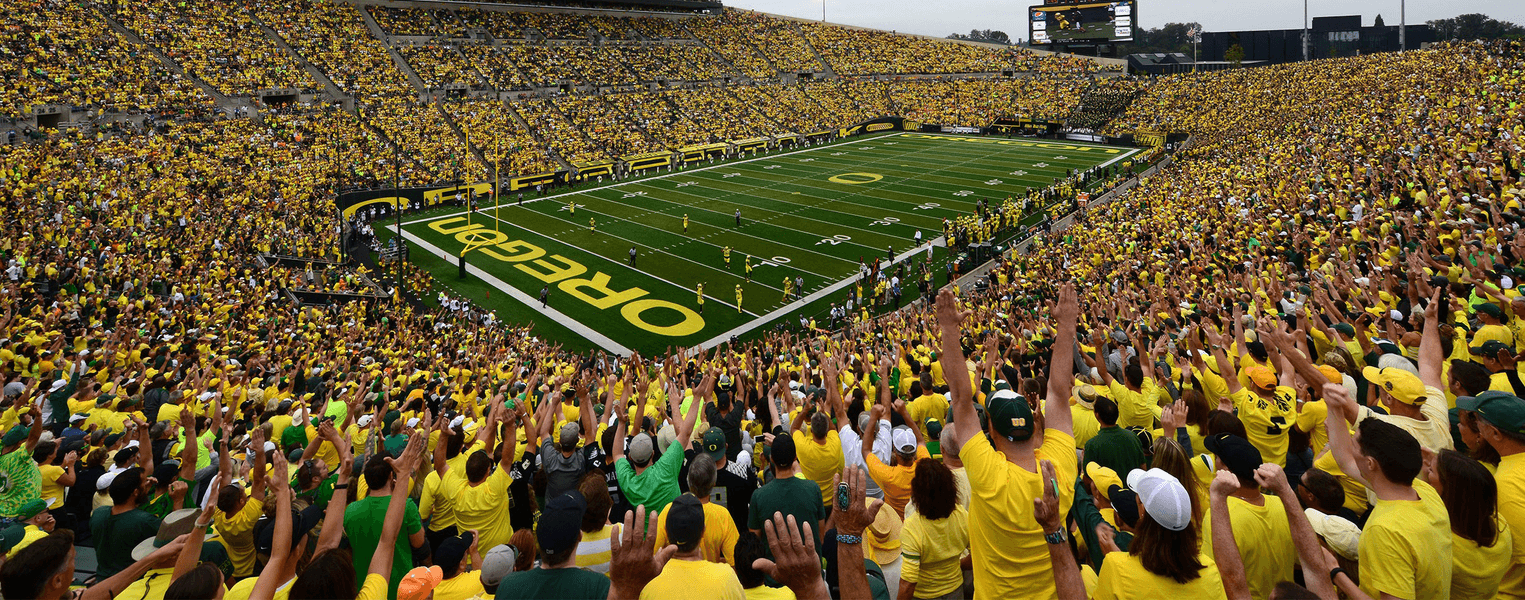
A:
{"x":64,"y":53}
{"x":218,"y":42}
{"x":1325,"y":216}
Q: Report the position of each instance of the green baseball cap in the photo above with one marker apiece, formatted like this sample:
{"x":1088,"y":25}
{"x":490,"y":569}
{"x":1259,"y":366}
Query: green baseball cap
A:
{"x":1504,"y":411}
{"x":15,"y":435}
{"x":10,"y":536}
{"x":1010,"y":415}
{"x":31,"y":509}
{"x":714,"y":443}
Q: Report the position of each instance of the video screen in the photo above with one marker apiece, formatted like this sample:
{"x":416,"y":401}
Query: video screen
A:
{"x":1090,"y":22}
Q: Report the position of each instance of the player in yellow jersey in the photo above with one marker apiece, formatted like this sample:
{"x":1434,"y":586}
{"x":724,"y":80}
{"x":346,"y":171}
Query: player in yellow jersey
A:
{"x":726,"y":251}
{"x":685,"y":223}
{"x":572,"y":208}
{"x":788,"y":284}
{"x":747,"y":262}
{"x":700,"y":293}
{"x":592,"y":225}
{"x":738,"y":298}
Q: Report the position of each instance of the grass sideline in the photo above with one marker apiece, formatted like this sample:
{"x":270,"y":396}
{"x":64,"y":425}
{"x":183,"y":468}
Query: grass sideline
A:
{"x":810,"y":214}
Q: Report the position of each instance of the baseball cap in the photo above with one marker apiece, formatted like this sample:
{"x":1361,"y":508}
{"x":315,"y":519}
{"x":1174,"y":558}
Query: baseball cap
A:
{"x":714,"y":443}
{"x":1104,"y":477}
{"x":301,"y":522}
{"x":783,"y":453}
{"x":1490,"y":348}
{"x":15,"y":435}
{"x":1400,"y":384}
{"x":1501,"y":409}
{"x":1261,"y":376}
{"x":1124,"y":505}
{"x":452,"y":550}
{"x":560,"y":522}
{"x":31,"y":509}
{"x":1238,"y":454}
{"x":1490,"y":309}
{"x":419,"y":583}
{"x":1343,"y":537}
{"x":498,"y":563}
{"x":1010,"y":415}
{"x":641,"y":449}
{"x":569,"y":433}
{"x":685,"y":520}
{"x":1332,"y":374}
{"x":10,"y":536}
{"x":1165,"y":499}
{"x":903,"y":441}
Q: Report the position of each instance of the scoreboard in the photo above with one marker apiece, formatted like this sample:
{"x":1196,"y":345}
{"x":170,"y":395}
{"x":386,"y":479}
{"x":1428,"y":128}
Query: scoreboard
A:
{"x":1084,"y":22}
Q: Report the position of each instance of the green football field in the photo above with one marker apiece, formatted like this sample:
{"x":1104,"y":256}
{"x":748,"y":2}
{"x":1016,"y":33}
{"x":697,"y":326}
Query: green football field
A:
{"x":812,"y":214}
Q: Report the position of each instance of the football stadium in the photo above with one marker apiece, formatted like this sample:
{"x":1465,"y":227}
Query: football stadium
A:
{"x":586,"y":299}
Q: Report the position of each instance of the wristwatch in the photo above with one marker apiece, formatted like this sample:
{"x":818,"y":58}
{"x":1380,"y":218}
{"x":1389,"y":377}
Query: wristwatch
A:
{"x":1057,"y":537}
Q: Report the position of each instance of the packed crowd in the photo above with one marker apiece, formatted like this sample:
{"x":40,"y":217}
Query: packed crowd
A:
{"x":1103,"y":101}
{"x":871,"y":52}
{"x":507,"y":146}
{"x":334,"y":38}
{"x":63,"y":53}
{"x":440,"y":66}
{"x":981,"y":101}
{"x":220,"y":43}
{"x":1285,"y":366}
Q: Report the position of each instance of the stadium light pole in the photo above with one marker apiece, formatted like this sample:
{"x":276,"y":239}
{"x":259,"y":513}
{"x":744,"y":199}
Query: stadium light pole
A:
{"x":1402,"y":26}
{"x":401,"y":243}
{"x":1305,"y":31}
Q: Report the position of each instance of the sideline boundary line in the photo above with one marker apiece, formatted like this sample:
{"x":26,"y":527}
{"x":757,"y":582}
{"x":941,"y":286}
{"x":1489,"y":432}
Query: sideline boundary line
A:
{"x":525,"y":299}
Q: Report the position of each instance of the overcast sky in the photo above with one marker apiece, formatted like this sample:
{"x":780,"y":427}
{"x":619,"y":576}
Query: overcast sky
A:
{"x":942,"y":17}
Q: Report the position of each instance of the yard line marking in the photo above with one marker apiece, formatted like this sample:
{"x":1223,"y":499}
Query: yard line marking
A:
{"x":734,"y":231}
{"x":627,"y":266}
{"x":805,"y":301}
{"x":678,"y":173}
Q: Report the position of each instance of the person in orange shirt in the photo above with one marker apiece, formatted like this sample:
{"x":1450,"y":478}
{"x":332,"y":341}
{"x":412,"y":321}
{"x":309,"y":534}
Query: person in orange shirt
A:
{"x":895,"y":480}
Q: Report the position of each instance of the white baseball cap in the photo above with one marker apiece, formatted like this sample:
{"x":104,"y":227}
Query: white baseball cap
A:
{"x":1343,"y":537}
{"x":1165,"y":499}
{"x":903,"y":440}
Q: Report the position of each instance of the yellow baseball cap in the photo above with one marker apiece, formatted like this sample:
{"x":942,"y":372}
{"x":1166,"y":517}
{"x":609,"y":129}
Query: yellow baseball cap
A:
{"x":1398,"y":383}
{"x":1103,"y":477}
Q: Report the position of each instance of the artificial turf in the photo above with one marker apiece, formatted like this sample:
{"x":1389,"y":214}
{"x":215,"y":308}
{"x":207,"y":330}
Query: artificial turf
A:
{"x":813,"y":213}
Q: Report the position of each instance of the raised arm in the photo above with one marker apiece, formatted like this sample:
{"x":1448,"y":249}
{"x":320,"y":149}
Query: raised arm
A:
{"x":331,"y":536}
{"x":381,"y":561}
{"x":1430,"y":359}
{"x":1061,"y":380}
{"x":1341,"y":444}
{"x":280,"y":544}
{"x":701,"y":396}
{"x":950,"y":321}
{"x":1225,"y":548}
{"x":1309,"y":552}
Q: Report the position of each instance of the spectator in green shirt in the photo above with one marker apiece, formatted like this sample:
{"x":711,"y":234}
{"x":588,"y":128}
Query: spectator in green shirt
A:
{"x":1114,"y":447}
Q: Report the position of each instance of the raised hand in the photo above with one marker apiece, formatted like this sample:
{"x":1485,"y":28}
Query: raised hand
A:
{"x":1046,"y":508}
{"x":634,"y":562}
